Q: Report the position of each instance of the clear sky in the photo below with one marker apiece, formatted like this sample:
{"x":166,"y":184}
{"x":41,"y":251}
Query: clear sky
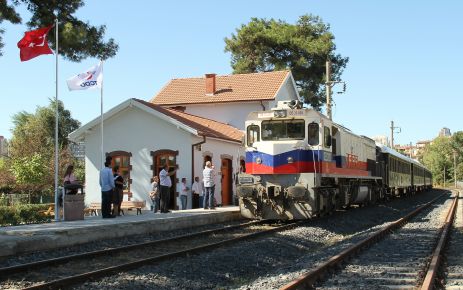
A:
{"x":405,"y":58}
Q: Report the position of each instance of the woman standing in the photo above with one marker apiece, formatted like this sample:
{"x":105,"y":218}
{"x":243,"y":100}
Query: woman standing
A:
{"x":118,"y":194}
{"x":70,"y":179}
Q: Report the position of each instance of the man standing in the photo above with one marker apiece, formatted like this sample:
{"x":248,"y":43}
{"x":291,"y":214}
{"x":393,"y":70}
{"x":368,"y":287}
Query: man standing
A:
{"x":166,"y":183}
{"x":197,"y":191}
{"x":107,"y":186}
{"x":208,"y":179}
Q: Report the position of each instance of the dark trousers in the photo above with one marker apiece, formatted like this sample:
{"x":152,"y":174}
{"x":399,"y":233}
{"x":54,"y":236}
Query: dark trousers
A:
{"x":196,"y":200}
{"x":165,"y":197}
{"x":106,"y":198}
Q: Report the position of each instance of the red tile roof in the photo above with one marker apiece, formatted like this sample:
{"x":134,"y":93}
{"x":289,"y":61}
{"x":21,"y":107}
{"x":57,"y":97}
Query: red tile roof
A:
{"x":205,"y":127}
{"x":229,"y":88}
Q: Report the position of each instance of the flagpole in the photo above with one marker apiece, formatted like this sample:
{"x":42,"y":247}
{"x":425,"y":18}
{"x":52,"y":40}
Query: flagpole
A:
{"x":101,"y":113}
{"x":56,"y":127}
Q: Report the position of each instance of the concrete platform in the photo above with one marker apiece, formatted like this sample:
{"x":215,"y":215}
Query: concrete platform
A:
{"x":27,"y":238}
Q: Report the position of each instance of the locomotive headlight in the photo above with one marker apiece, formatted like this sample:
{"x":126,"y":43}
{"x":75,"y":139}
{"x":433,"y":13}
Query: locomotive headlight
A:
{"x":290,"y":159}
{"x":259,"y":160}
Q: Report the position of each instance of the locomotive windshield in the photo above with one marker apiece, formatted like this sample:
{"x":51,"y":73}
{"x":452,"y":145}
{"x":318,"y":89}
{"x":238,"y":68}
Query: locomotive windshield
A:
{"x":283,"y":130}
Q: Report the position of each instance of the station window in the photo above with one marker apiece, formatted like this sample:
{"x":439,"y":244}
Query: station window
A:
{"x":253,"y":134}
{"x":313,"y":136}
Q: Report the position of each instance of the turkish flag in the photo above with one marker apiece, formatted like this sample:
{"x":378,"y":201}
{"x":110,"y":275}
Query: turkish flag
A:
{"x":34,"y":43}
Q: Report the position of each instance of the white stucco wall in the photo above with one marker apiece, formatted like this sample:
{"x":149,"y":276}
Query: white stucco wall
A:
{"x":235,"y":113}
{"x":139,"y":133}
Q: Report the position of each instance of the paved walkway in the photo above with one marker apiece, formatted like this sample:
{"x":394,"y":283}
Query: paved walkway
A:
{"x":20,"y":239}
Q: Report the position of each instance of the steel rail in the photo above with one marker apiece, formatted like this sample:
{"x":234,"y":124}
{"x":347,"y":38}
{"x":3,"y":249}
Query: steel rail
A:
{"x":428,"y":282}
{"x":71,"y":280}
{"x":307,"y":280}
{"x":60,"y":260}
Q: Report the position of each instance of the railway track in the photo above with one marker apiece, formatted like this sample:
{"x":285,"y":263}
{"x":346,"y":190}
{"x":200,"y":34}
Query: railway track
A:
{"x":451,"y":274}
{"x":68,"y":270}
{"x":397,"y":255}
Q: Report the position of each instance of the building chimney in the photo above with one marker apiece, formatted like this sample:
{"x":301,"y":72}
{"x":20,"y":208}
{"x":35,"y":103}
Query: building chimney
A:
{"x":210,"y":84}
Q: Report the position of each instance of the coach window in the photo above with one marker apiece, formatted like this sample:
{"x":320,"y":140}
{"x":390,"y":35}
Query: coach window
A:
{"x":314,"y":132}
{"x":253,"y":134}
{"x":327,"y":137}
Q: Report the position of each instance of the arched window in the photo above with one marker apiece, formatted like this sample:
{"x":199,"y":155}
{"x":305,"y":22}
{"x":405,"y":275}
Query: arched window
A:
{"x":122,"y":159}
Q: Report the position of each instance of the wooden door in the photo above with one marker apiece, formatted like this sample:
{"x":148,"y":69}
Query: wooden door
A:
{"x":227,"y":190}
{"x":170,"y":160}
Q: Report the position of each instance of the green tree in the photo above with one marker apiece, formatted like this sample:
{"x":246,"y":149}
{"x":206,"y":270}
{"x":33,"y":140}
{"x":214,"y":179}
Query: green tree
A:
{"x":35,"y":134}
{"x":267,"y":45}
{"x":439,"y":158}
{"x":77,"y":39}
{"x":30,"y":172}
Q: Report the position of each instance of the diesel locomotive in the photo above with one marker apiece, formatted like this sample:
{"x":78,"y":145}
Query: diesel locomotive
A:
{"x":300,"y":164}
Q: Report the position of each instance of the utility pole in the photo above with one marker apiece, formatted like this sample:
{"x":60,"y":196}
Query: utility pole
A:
{"x":455,"y":167}
{"x":444,"y":175}
{"x":328,"y":89}
{"x":392,"y":133}
{"x":328,"y":85}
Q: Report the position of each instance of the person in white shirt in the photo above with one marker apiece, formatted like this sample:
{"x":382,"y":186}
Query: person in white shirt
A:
{"x":166,"y":183}
{"x":208,"y":179}
{"x":197,"y":192}
{"x":184,"y":193}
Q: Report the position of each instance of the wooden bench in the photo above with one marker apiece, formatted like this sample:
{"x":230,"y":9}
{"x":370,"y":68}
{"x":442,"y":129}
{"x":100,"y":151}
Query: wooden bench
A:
{"x":50,"y":211}
{"x":138,"y":204}
{"x":94,"y":207}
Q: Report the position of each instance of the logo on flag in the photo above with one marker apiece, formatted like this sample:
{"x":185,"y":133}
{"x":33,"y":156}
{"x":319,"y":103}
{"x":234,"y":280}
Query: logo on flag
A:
{"x":34,"y":43}
{"x":92,"y":78}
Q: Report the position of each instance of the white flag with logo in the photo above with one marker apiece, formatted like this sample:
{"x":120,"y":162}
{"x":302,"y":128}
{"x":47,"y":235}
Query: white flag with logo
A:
{"x":92,"y":78}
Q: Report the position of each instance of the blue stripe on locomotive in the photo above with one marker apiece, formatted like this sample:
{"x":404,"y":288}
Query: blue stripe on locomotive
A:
{"x":282,"y":158}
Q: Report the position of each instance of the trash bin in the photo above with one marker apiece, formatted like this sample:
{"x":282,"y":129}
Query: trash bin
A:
{"x":74,"y":205}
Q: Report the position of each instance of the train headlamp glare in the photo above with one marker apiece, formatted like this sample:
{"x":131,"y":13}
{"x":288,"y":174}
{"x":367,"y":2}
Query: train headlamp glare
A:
{"x":259,"y":160}
{"x":290,"y":159}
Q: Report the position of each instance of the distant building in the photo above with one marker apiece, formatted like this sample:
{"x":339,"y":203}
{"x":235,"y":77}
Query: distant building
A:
{"x":381,"y":139}
{"x":445,"y":132}
{"x":421,"y":144}
{"x":408,"y":150}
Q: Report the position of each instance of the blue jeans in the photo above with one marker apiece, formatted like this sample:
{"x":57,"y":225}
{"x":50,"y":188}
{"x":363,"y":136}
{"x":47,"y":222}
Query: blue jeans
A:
{"x":155,"y":207}
{"x":183,"y":199}
{"x":201,"y":201}
{"x":209,"y":192}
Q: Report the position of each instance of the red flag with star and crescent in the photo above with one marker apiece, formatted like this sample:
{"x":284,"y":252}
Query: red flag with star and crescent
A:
{"x":34,"y":43}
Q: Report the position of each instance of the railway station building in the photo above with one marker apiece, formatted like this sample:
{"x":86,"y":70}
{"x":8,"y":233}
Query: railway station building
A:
{"x":190,"y":121}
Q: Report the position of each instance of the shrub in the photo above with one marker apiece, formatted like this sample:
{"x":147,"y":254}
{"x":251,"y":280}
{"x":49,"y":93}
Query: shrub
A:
{"x":23,"y":214}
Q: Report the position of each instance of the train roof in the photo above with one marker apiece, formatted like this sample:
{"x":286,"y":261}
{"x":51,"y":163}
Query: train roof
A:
{"x":388,"y":150}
